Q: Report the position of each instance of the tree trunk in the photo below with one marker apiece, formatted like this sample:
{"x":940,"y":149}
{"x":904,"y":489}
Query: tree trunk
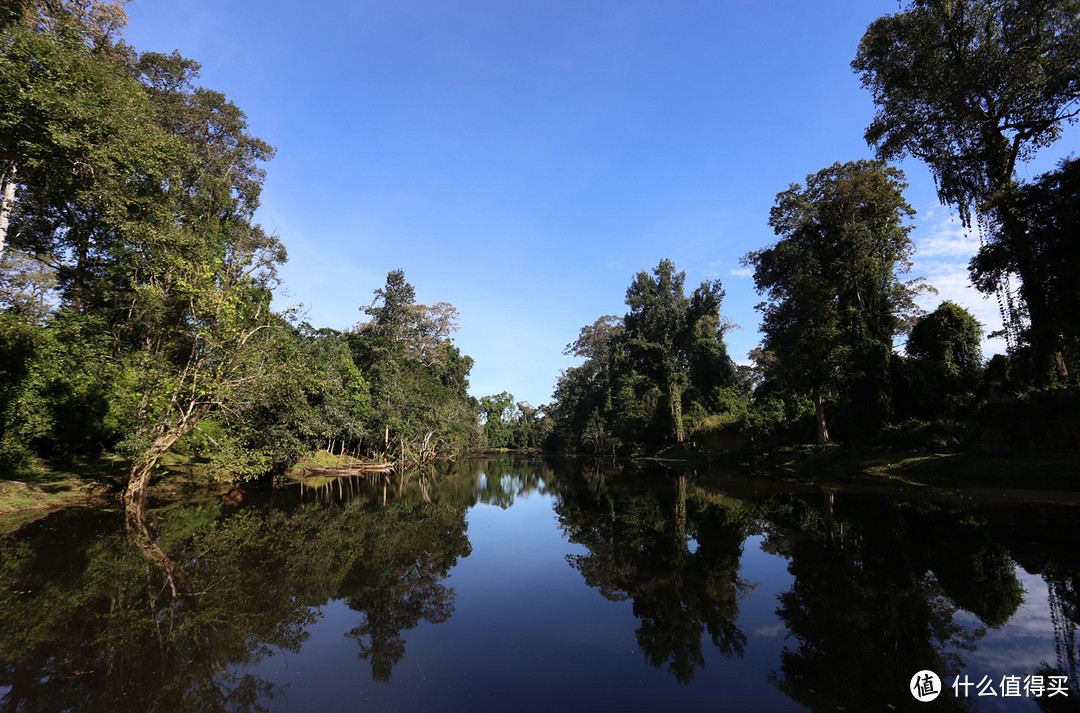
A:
{"x":7,"y":178}
{"x":136,"y":489}
{"x":819,"y":412}
{"x":142,"y":468}
{"x":1044,"y":335}
{"x":675,"y":397}
{"x":139,"y":529}
{"x":1059,"y":361}
{"x":830,"y":501}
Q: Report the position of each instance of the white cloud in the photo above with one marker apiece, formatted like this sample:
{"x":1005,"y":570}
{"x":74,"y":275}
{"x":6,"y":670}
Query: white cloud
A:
{"x":741,"y":272}
{"x":770,"y":631}
{"x":942,"y":257}
{"x":949,"y":238}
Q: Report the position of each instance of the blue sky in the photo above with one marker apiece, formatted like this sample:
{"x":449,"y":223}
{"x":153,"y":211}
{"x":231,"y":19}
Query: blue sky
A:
{"x":522,"y":160}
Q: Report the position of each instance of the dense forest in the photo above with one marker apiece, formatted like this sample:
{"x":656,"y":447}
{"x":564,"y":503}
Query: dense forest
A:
{"x":136,"y":288}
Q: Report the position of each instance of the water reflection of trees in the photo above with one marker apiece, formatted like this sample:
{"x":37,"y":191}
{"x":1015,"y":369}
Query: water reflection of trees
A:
{"x":863,"y":613}
{"x":89,"y":622}
{"x":396,"y":581}
{"x":674,"y":555}
{"x":877,"y":592}
{"x":879,"y":585}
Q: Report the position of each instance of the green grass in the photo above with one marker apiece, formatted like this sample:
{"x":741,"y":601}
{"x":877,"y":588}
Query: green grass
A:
{"x":320,"y":460}
{"x":44,"y":489}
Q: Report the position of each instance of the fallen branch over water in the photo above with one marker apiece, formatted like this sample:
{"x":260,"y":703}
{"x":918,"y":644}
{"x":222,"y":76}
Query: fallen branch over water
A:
{"x":351,"y":469}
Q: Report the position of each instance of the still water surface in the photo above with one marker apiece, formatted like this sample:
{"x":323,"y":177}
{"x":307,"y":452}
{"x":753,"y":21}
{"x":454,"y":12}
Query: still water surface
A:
{"x":522,"y":584}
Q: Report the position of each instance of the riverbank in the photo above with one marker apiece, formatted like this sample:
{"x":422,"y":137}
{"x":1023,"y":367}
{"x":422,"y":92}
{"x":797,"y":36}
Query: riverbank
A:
{"x":1049,"y":469}
{"x":32,"y":495}
{"x":50,"y":487}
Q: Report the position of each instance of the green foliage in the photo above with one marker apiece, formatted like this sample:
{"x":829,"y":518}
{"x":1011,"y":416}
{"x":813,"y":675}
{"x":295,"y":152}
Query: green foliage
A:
{"x":418,"y":378}
{"x":136,"y":195}
{"x":941,"y":377}
{"x":496,"y":415}
{"x":27,"y":285}
{"x":57,"y":389}
{"x":939,"y":433}
{"x":971,"y":86}
{"x":666,"y":356}
{"x":1035,"y":238}
{"x":835,"y":298}
{"x":949,"y":337}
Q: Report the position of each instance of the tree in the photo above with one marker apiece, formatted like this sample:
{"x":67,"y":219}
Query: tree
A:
{"x":84,"y":143}
{"x":665,"y":329}
{"x":418,"y":377}
{"x":497,"y":413}
{"x":27,"y":285}
{"x":641,"y":371}
{"x":381,"y":348}
{"x":138,"y":189}
{"x":1040,"y":245}
{"x":429,"y":332}
{"x":971,"y":87}
{"x":835,"y":300}
{"x":950,"y":337}
{"x":942,"y":374}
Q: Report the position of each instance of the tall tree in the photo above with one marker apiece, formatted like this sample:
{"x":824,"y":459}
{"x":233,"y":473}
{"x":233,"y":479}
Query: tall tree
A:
{"x":664,"y":326}
{"x":418,"y":377}
{"x":971,"y":87}
{"x":835,"y":298}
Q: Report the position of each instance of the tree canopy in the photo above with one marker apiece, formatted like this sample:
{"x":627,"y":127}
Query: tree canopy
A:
{"x":971,"y":87}
{"x":835,"y":299}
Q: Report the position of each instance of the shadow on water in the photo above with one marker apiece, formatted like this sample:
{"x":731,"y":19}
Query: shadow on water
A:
{"x":178,"y":612}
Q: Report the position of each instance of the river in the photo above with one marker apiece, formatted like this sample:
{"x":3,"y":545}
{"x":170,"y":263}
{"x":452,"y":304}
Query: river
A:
{"x":527,"y":584}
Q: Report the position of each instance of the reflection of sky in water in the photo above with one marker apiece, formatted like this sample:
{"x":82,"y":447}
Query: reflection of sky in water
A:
{"x":526,"y":628}
{"x":1019,"y":648}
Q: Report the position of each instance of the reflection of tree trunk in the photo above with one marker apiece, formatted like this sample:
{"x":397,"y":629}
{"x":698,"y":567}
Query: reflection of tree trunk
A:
{"x":829,"y":522}
{"x":1064,"y":628}
{"x":819,"y":412}
{"x":140,"y":534}
{"x":680,"y":512}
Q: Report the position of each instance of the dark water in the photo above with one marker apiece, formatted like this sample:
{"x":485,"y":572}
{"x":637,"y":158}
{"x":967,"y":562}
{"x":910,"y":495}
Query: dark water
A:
{"x":529,"y":585}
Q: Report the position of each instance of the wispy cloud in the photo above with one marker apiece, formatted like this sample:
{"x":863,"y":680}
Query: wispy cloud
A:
{"x":741,"y":272}
{"x":948,"y":238}
{"x":942,"y":254}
